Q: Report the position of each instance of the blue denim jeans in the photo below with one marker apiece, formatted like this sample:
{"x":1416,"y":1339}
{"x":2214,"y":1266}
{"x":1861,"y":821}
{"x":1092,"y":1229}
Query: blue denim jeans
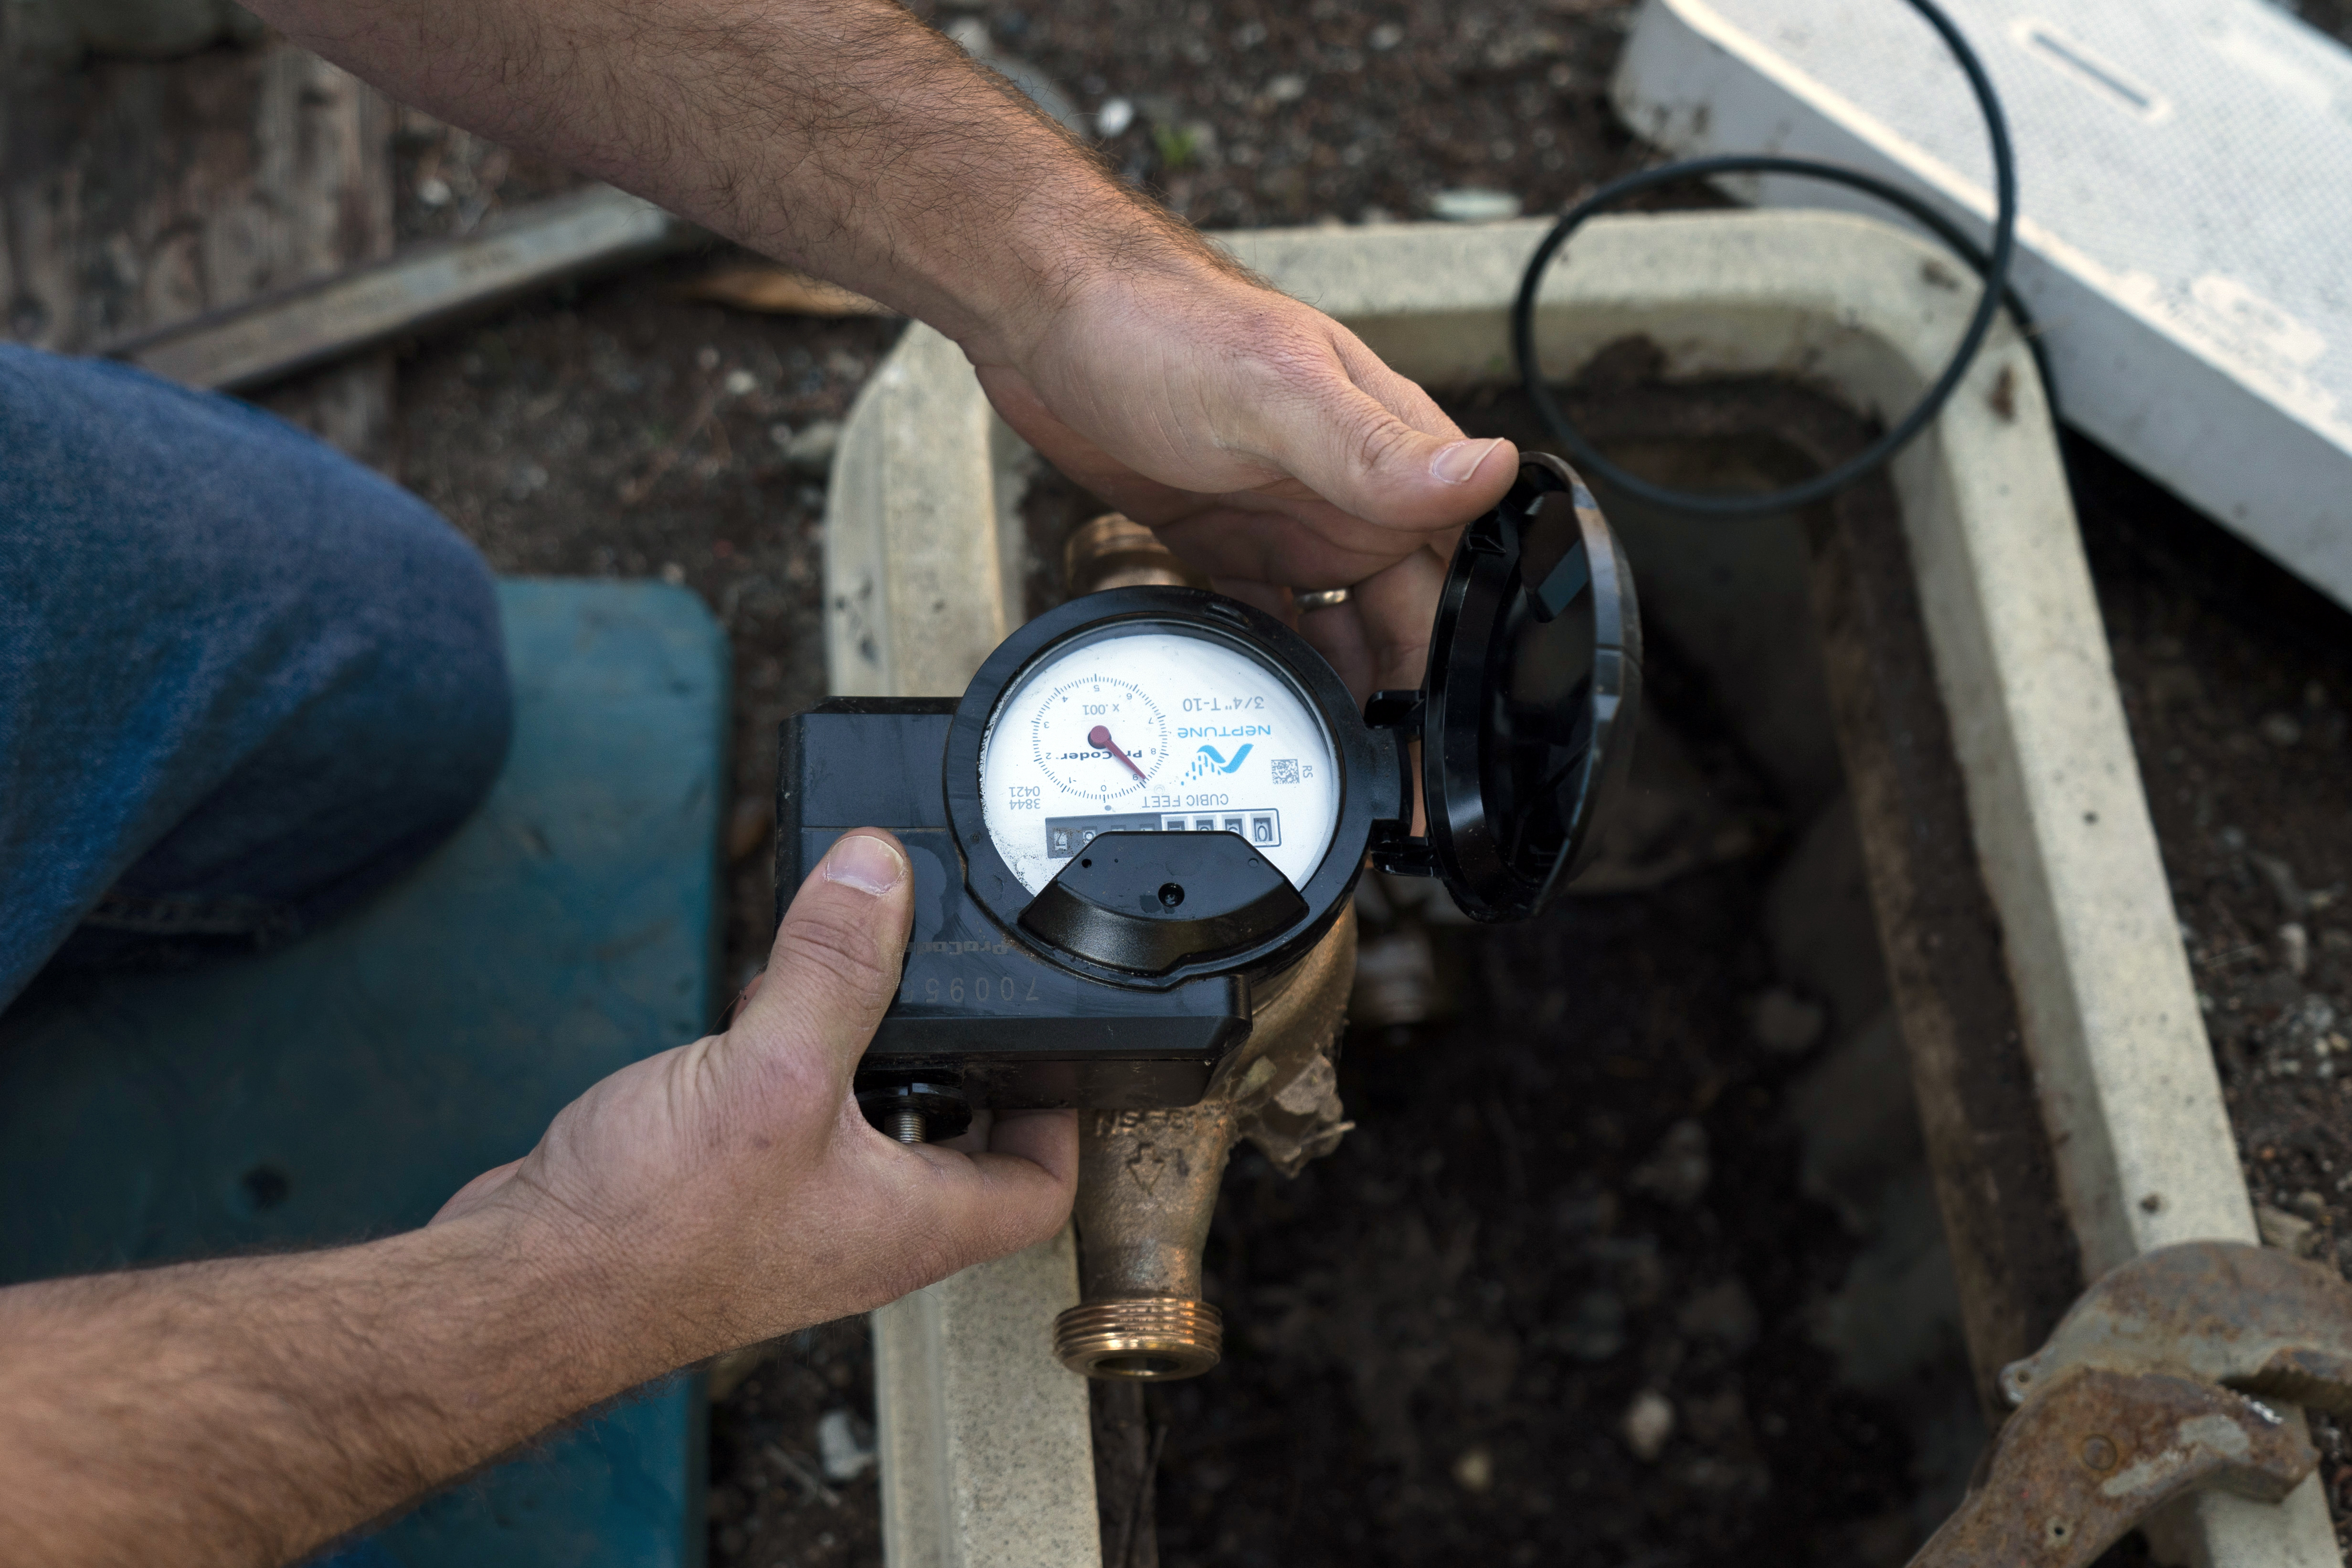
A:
{"x":243,"y":681}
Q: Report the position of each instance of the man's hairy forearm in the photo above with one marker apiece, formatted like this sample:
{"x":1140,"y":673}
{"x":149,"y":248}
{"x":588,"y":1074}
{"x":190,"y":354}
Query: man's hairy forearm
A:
{"x":247,"y":1410}
{"x":840,"y":134}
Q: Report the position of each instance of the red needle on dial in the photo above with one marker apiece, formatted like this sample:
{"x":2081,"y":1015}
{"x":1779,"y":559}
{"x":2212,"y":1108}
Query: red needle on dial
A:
{"x":1099,"y":739}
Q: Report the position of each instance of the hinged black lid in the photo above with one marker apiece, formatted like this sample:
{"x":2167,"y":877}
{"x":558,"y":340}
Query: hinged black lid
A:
{"x":1527,"y":711}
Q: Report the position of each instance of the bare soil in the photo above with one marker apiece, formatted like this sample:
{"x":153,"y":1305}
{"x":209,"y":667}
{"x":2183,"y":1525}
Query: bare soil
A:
{"x":770,"y":1499}
{"x":1440,"y":1332}
{"x":626,"y":431}
{"x":1249,"y":115}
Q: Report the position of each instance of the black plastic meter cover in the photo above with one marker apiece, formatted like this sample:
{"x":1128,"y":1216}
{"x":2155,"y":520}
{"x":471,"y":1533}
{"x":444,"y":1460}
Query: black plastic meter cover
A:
{"x":1533,"y":692}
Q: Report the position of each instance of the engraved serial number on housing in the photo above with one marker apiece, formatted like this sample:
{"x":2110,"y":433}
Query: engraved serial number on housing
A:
{"x":1000,"y":990}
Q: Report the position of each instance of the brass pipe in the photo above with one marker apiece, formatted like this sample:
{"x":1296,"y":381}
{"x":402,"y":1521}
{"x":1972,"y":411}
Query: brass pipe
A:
{"x":1116,"y":551}
{"x":1148,"y":1179}
{"x":1147,"y":1188}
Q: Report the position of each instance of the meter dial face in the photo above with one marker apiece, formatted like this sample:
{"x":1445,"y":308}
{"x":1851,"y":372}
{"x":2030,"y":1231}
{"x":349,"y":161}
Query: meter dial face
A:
{"x":1150,"y":727}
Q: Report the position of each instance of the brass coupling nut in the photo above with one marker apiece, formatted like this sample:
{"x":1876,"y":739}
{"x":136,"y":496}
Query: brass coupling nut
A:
{"x":1148,"y":1337}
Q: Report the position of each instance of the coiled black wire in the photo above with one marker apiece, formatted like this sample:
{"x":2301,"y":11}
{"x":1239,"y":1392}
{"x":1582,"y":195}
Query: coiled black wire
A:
{"x":1993,"y":266}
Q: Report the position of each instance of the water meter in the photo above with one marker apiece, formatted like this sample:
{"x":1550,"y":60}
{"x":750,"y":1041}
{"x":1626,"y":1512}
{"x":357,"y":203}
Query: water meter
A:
{"x":1150,"y":800}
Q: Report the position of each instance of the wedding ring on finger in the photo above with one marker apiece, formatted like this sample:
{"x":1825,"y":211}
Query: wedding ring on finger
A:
{"x":1317,"y":598}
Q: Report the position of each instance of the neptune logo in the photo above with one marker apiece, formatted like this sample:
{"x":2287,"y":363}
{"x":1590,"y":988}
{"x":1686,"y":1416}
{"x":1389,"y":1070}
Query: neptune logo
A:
{"x":1209,"y":760}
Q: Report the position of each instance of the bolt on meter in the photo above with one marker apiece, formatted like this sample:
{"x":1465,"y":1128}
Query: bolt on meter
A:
{"x":1151,"y":800}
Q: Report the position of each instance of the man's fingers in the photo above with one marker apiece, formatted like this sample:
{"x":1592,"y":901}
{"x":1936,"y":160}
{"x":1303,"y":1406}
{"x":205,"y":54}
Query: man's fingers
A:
{"x":1270,"y":597}
{"x":1282,"y":403}
{"x":1047,"y":1139}
{"x":1339,"y":633}
{"x":834,"y":966}
{"x":1015,"y":1203}
{"x":1305,"y":544}
{"x":1393,"y":608}
{"x":1332,"y":417}
{"x":1014,"y":1195}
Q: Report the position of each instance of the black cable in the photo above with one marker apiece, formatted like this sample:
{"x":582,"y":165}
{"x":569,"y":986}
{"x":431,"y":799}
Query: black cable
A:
{"x":1993,"y":268}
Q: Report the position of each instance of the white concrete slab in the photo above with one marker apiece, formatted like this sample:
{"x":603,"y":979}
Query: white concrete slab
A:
{"x":916,"y":587}
{"x":2181,"y":170}
{"x":987,"y":1459}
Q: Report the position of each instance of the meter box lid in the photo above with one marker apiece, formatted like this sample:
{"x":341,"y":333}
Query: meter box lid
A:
{"x":1527,"y":714}
{"x":2182,"y":173}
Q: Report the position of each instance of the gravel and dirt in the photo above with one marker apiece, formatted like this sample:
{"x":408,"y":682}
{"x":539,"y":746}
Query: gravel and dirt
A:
{"x":1570,"y":1216}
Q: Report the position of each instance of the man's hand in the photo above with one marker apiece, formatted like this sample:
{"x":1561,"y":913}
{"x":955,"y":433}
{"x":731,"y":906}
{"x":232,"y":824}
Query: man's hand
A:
{"x":1264,"y":441}
{"x":246,"y":1411}
{"x":1272,"y":450}
{"x":733,"y":1183}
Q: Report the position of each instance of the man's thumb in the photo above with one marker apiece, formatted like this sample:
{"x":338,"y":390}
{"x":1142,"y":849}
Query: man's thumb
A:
{"x":836,"y":962}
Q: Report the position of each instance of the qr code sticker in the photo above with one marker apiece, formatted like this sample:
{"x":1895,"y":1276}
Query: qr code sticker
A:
{"x":1286,"y":770}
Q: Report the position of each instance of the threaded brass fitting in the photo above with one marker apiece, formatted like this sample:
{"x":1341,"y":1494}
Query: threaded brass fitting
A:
{"x":1149,"y":1337}
{"x":1116,"y":551}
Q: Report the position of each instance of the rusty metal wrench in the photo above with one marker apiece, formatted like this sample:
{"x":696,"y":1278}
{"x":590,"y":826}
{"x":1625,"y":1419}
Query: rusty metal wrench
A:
{"x":2152,"y":1386}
